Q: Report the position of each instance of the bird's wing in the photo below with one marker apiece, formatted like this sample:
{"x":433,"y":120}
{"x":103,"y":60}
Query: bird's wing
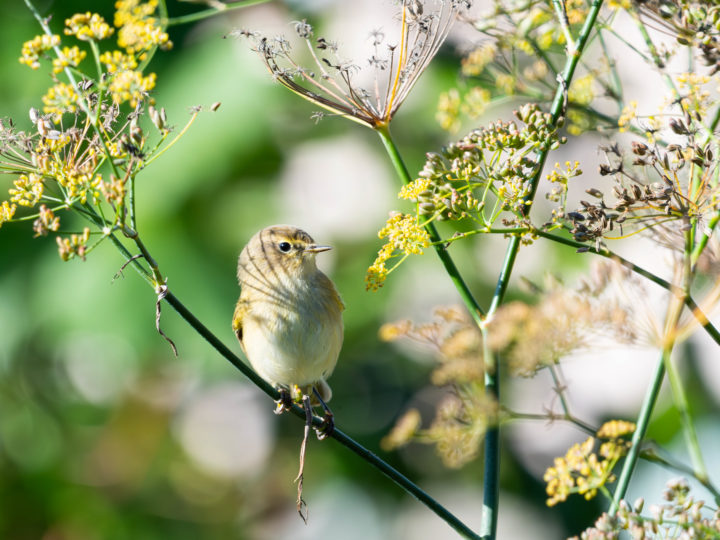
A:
{"x":241,"y":310}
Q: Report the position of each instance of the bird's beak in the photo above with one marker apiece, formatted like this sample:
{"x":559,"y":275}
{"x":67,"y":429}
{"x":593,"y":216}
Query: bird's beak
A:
{"x":314,"y":248}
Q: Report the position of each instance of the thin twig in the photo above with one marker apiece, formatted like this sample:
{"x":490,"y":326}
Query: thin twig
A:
{"x":162,"y":291}
{"x":207,"y":13}
{"x":301,"y":504}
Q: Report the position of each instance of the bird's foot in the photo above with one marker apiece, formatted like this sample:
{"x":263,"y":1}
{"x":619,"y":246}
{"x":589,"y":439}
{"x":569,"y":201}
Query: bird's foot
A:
{"x":326,"y":428}
{"x":328,"y":423}
{"x":284,"y":402}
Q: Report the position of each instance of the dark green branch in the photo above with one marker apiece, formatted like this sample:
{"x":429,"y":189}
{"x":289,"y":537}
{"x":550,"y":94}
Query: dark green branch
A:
{"x":336,"y":434}
{"x":639,"y":434}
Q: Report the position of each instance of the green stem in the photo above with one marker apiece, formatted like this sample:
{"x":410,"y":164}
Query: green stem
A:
{"x":653,"y":51}
{"x":561,"y":13}
{"x":491,"y":456}
{"x":614,"y":75}
{"x":554,"y":417}
{"x":676,"y":384}
{"x":556,"y":109}
{"x":450,"y":267}
{"x":207,"y":13}
{"x":559,"y":389}
{"x":651,"y":453}
{"x":492,"y":439}
{"x":681,"y":402}
{"x":665,"y":366}
{"x":640,"y":430}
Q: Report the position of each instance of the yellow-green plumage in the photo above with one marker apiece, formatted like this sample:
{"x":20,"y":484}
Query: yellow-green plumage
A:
{"x":289,"y":316}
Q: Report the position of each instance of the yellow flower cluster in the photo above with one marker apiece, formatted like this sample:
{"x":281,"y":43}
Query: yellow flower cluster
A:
{"x":405,"y":237}
{"x":131,"y":86}
{"x":614,"y":429}
{"x":76,"y":245}
{"x":113,"y":191}
{"x":61,"y":98}
{"x":451,"y":104}
{"x":56,"y":167}
{"x":138,"y":27}
{"x":88,"y":27}
{"x":558,"y":175}
{"x":404,"y":430}
{"x":27,"y":190}
{"x":82,"y":186}
{"x":404,"y":233}
{"x":412,"y":191}
{"x":576,"y":11}
{"x":629,"y":113}
{"x":506,"y":83}
{"x":116,"y":61}
{"x":7,"y":211}
{"x":45,"y":222}
{"x":582,"y":470}
{"x":581,"y":90}
{"x":476,"y":61}
{"x":476,"y":101}
{"x":31,"y":50}
{"x":448,"y":110}
{"x":69,"y":57}
{"x":695,"y":96}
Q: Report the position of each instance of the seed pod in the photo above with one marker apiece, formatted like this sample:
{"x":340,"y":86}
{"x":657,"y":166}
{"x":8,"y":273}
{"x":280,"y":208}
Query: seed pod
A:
{"x":426,"y":208}
{"x":43,"y":126}
{"x":678,"y":127}
{"x":639,"y":148}
{"x":594,"y":192}
{"x":136,"y":133}
{"x":425,"y":195}
{"x":156,"y":118}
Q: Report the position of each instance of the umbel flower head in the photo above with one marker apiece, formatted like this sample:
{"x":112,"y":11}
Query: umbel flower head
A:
{"x":331,"y":84}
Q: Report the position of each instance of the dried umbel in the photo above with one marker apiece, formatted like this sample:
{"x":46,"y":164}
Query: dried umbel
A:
{"x":396,"y":64}
{"x":663,"y":186}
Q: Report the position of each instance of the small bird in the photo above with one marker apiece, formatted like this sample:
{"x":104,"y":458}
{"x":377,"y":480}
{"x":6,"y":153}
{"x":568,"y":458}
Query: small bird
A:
{"x":289,"y":315}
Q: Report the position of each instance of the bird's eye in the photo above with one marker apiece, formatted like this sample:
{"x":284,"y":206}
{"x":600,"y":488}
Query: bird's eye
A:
{"x":284,"y":246}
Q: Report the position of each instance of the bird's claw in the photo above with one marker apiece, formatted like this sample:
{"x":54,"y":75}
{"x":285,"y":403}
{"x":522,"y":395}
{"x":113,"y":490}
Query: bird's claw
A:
{"x":327,"y":426}
{"x":284,"y":402}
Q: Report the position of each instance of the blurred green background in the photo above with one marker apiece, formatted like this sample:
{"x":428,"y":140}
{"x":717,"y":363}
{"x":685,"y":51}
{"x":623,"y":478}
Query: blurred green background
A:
{"x":105,"y":435}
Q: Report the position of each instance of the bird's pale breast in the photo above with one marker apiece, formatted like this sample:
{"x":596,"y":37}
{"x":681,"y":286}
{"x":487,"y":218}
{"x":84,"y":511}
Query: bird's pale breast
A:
{"x":295,"y":342}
